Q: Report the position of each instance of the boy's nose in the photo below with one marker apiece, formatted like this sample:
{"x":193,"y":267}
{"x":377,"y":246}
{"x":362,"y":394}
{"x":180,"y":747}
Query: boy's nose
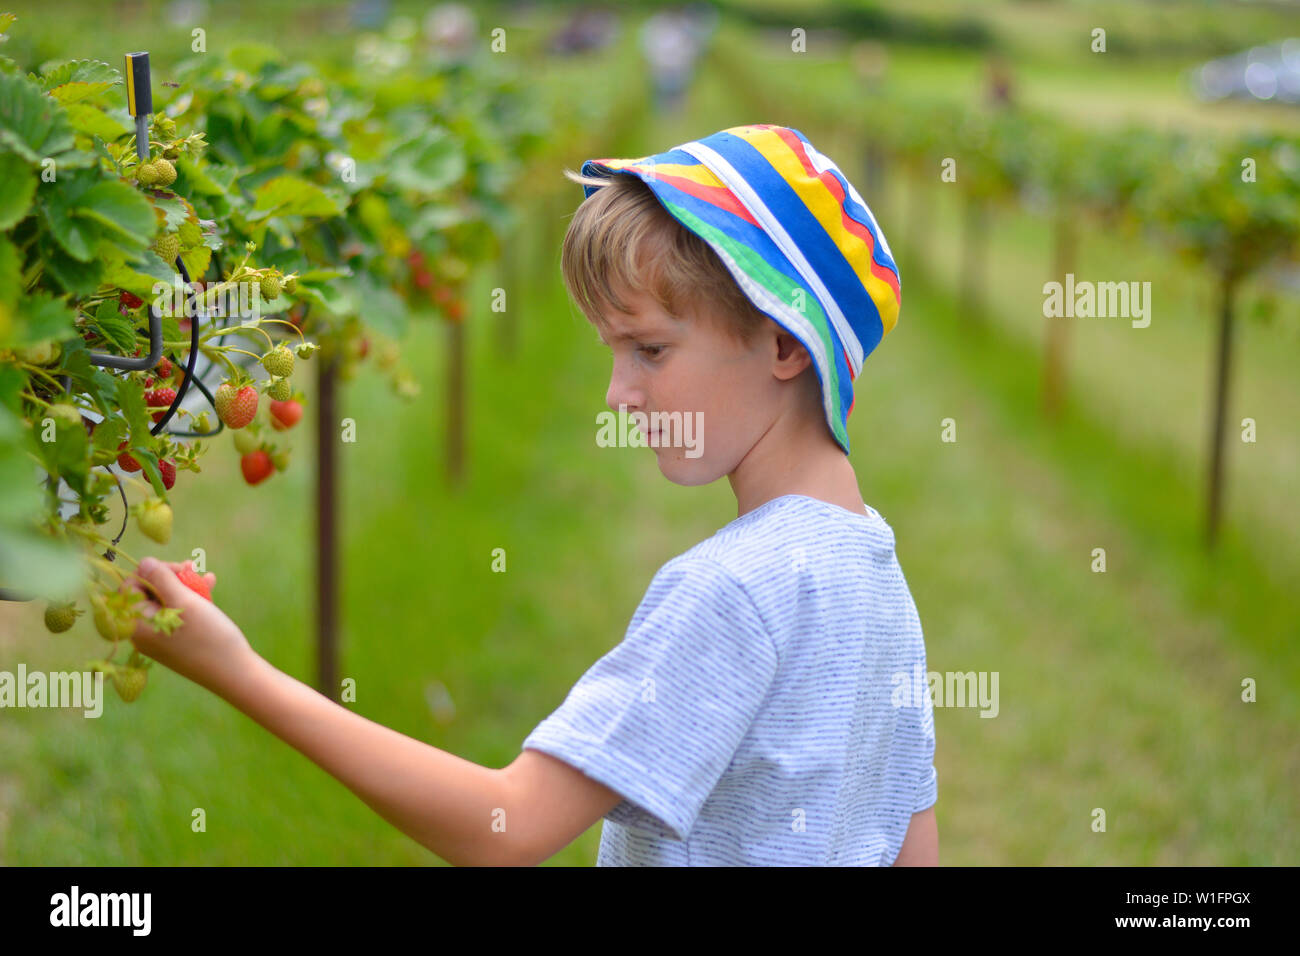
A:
{"x":623,"y":390}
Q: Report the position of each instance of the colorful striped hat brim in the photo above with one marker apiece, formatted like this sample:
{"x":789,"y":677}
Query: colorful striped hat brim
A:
{"x":794,"y":233}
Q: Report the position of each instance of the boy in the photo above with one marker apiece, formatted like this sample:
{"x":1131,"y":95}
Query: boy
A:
{"x":748,"y":717}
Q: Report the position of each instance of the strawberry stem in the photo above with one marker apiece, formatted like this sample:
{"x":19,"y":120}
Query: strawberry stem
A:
{"x":290,"y":324}
{"x":40,"y":371}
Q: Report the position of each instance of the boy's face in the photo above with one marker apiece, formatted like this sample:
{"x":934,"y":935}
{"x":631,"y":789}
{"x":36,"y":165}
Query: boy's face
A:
{"x":726,"y":395}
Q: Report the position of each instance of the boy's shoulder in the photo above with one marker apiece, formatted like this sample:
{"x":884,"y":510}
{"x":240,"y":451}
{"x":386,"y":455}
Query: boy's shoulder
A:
{"x":782,"y":536}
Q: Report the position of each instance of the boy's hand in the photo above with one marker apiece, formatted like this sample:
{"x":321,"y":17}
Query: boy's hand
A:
{"x":208,"y":647}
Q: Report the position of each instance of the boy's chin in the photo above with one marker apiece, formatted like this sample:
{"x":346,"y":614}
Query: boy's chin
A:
{"x":680,"y":470}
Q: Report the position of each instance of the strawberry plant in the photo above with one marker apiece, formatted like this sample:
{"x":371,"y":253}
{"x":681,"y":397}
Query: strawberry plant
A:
{"x":250,"y":201}
{"x":100,"y":331}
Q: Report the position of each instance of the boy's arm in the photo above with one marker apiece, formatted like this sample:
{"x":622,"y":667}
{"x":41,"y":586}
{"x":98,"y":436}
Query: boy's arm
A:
{"x":552,"y":804}
{"x":447,"y":804}
{"x":921,"y":844}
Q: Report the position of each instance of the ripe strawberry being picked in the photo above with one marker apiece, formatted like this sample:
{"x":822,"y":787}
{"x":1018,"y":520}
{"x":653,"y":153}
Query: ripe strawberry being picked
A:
{"x":199,"y":584}
{"x":284,"y":415}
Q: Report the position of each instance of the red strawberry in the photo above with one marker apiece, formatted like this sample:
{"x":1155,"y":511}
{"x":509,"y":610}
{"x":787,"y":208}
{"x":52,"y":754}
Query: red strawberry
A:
{"x":235,"y":408}
{"x":130,"y":301}
{"x":256,"y":466}
{"x":168,"y":472}
{"x":164,"y":368}
{"x":284,"y":415}
{"x":160,"y":396}
{"x":125,"y":461}
{"x":191,"y":579}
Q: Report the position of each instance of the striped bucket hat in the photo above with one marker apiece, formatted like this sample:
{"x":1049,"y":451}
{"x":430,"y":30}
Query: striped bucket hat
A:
{"x":799,"y":240}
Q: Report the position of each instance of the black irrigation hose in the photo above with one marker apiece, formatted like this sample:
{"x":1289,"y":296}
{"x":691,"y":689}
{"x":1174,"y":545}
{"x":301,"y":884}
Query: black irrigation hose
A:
{"x":189,"y":371}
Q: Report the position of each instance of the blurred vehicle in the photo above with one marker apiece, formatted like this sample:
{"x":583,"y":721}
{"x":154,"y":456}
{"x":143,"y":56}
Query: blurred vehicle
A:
{"x":1261,"y":73}
{"x":587,"y":30}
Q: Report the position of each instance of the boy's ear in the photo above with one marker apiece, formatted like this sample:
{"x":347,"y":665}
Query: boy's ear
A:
{"x":789,"y":358}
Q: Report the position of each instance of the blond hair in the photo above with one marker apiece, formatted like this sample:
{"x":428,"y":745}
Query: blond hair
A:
{"x":622,"y":237}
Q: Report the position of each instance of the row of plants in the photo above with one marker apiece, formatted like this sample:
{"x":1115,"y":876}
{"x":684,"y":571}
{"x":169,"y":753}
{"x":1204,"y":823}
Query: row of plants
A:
{"x":285,"y":207}
{"x":1228,"y":204}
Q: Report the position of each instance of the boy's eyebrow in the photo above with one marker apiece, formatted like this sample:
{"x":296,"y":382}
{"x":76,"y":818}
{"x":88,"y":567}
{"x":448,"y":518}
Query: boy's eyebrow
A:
{"x":638,"y":331}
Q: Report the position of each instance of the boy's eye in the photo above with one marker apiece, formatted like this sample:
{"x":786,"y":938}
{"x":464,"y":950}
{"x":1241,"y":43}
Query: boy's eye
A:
{"x":651,"y":350}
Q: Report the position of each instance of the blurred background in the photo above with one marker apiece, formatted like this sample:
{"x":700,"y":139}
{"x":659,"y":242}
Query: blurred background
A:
{"x":1103,"y":140}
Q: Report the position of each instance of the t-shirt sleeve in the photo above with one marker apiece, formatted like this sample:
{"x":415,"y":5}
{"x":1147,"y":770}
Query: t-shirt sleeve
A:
{"x":659,"y":718}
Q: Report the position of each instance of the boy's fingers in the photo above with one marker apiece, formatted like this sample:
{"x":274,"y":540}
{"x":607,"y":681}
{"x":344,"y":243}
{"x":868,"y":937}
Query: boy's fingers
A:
{"x":159,"y":577}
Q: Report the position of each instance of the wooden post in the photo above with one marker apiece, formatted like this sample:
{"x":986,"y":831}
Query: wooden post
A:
{"x":1063,"y":253}
{"x":456,"y":402}
{"x":1223,"y":370}
{"x":974,"y":246}
{"x":510,"y":283}
{"x":327,"y":589}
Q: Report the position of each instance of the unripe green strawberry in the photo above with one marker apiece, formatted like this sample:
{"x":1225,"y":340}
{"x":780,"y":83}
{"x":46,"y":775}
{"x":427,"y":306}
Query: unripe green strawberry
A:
{"x":42,"y":353}
{"x":245,"y":442}
{"x":166,"y":172}
{"x":109,"y":625}
{"x":168,"y":247}
{"x":270,"y":286}
{"x":60,"y":617}
{"x":280,"y":389}
{"x":278,"y":361}
{"x":129,"y":682}
{"x":290,"y":284}
{"x":155,"y":520}
{"x":280,"y":459}
{"x":64,"y":414}
{"x":235,"y":408}
{"x":146,"y":174}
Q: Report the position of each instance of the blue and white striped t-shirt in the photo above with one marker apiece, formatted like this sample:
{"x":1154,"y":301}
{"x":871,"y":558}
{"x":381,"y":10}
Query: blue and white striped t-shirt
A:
{"x":748,"y":716}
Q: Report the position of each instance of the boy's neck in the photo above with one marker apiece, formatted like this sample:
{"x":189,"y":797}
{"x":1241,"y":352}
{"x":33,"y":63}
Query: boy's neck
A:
{"x":817,"y":468}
